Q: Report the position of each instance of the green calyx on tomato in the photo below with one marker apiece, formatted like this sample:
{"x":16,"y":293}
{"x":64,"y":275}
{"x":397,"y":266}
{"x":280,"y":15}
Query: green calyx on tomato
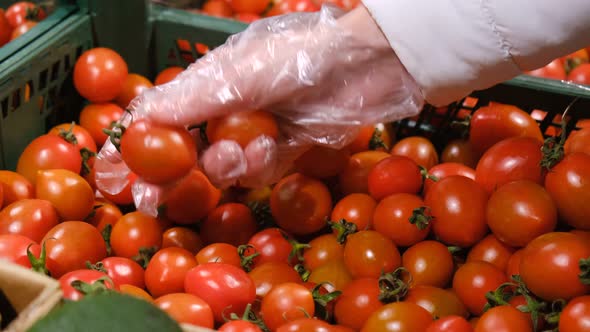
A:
{"x":38,"y":265}
{"x":303,"y":272}
{"x":262,"y":214}
{"x":392,"y":286}
{"x":115,"y":133}
{"x":322,"y":300}
{"x":297,"y":251}
{"x":97,"y":287}
{"x":144,"y":256}
{"x":585,"y":271}
{"x":249,"y":316}
{"x":343,"y":229}
{"x":552,"y":149}
{"x":420,"y":217}
{"x":246,"y":261}
{"x":106,"y":236}
{"x":376,"y":141}
{"x":96,"y":267}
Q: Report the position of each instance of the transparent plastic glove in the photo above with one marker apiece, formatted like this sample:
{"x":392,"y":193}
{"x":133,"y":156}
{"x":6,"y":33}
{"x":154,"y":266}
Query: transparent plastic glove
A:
{"x":323,"y":75}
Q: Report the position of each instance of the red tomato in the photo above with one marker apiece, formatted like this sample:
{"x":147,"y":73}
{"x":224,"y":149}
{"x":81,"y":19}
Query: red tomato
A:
{"x":182,"y":237}
{"x":355,"y":208}
{"x":574,"y":317}
{"x":247,"y":17}
{"x":354,"y":177}
{"x":553,"y":70}
{"x":459,"y":151}
{"x":359,"y":299}
{"x":308,"y":324}
{"x":81,"y":139}
{"x":186,"y":309}
{"x":392,"y":175}
{"x":268,"y":275}
{"x":219,"y":8}
{"x":122,"y":271}
{"x":96,"y":117}
{"x":395,"y":218}
{"x":68,"y":192}
{"x":226,"y":288}
{"x":519,"y":211}
{"x":219,"y":253}
{"x":473,"y":280}
{"x":21,"y":11}
{"x":339,"y":3}
{"x":133,"y":86}
{"x":99,"y":74}
{"x":22,"y":29}
{"x":168,"y":75}
{"x":445,"y":169}
{"x":372,"y":137}
{"x":133,"y":232}
{"x":580,"y":74}
{"x":369,"y":254}
{"x":231,"y":223}
{"x":5,"y":29}
{"x":14,"y":187}
{"x":32,"y":218}
{"x":239,"y":326}
{"x":272,"y":245}
{"x":158,"y":153}
{"x":166,"y":271}
{"x":322,"y":162}
{"x":504,"y":318}
{"x":333,"y":274}
{"x":458,"y":206}
{"x":300,"y":204}
{"x":290,"y":6}
{"x":249,"y":6}
{"x":513,"y":265}
{"x":568,"y":183}
{"x":491,"y":250}
{"x":417,"y":148}
{"x":286,"y":302}
{"x":86,"y":276}
{"x":578,"y":142}
{"x":516,"y":158}
{"x":550,"y":266}
{"x":438,"y":301}
{"x":429,"y":263}
{"x":242,"y":127}
{"x":13,"y":247}
{"x":104,"y":213}
{"x":71,"y":244}
{"x":48,"y":152}
{"x":137,"y":292}
{"x":451,"y":323}
{"x":403,"y":316}
{"x":321,"y":250}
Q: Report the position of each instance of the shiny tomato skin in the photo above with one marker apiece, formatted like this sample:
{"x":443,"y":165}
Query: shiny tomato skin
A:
{"x":370,"y":253}
{"x":186,"y":309}
{"x":104,"y":213}
{"x":249,"y":6}
{"x":308,"y":325}
{"x":124,"y":271}
{"x":504,"y":318}
{"x":451,"y":323}
{"x":14,"y":246}
{"x":578,"y":141}
{"x":417,"y":148}
{"x":355,"y":208}
{"x":445,"y":169}
{"x":239,"y":325}
{"x":580,"y":74}
{"x":5,"y":29}
{"x":513,"y":264}
{"x":438,"y":301}
{"x":334,"y":273}
{"x":221,"y":286}
{"x":553,"y":70}
{"x":323,"y":249}
{"x":322,"y":162}
{"x":159,"y":154}
{"x":96,"y":117}
{"x":21,"y":11}
{"x":137,"y":292}
{"x":182,"y":237}
{"x":473,"y":280}
{"x":286,"y":302}
{"x":429,"y":263}
{"x":268,"y":275}
{"x":300,"y":204}
{"x":392,"y":219}
{"x":15,"y":187}
{"x":219,"y":253}
{"x":519,"y":211}
{"x":32,"y":218}
{"x":48,"y":152}
{"x":133,"y":86}
{"x":68,"y":192}
{"x":168,"y":75}
{"x":393,"y":175}
{"x":22,"y":29}
{"x":568,"y":183}
{"x":82,"y":136}
{"x":491,"y":250}
{"x":231,"y":223}
{"x":359,"y":299}
{"x":458,"y":206}
{"x":134,"y":231}
{"x":574,"y":317}
{"x":291,"y":6}
{"x":354,"y":177}
{"x":242,"y":127}
{"x":71,"y":244}
{"x":87,"y":276}
{"x":219,"y":8}
{"x":554,"y":257}
{"x":362,"y":141}
{"x":99,"y":74}
{"x":398,"y":317}
{"x":461,"y":152}
{"x":515,"y":158}
{"x":272,"y":245}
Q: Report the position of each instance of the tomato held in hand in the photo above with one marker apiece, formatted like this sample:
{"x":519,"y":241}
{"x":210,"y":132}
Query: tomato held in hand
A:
{"x":417,"y":148}
{"x":99,"y":74}
{"x":186,"y":309}
{"x":242,"y":127}
{"x":473,"y":280}
{"x":404,"y":316}
{"x":133,"y":86}
{"x":85,"y":276}
{"x":159,"y":154}
{"x":429,"y":263}
{"x":369,"y":254}
{"x":574,"y":317}
{"x":68,"y":192}
{"x":96,"y":117}
{"x":393,"y":175}
{"x":15,"y":187}
{"x":399,"y":218}
{"x":32,"y":218}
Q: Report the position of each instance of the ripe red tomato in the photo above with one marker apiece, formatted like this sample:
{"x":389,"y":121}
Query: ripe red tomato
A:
{"x":268,"y":275}
{"x":14,"y":187}
{"x":239,"y":325}
{"x":309,"y":324}
{"x":458,"y":206}
{"x":504,"y":318}
{"x":359,"y":299}
{"x":568,"y":183}
{"x":226,"y":288}
{"x":451,"y":323}
{"x":372,"y":137}
{"x":354,"y":177}
{"x":580,"y":74}
{"x":5,"y":29}
{"x":219,"y":253}
{"x":99,"y":74}
{"x":32,"y":218}
{"x":182,"y":237}
{"x":290,"y":6}
{"x":286,"y":302}
{"x":133,"y":232}
{"x":104,"y":213}
{"x":322,"y":162}
{"x":494,"y":123}
{"x":333,"y":274}
{"x":553,"y":70}
{"x":158,"y":153}
{"x":445,"y":169}
{"x":417,"y":148}
{"x":122,"y":271}
{"x":167,"y":75}
{"x":355,"y":208}
{"x":247,"y":17}
{"x":321,"y":250}
{"x":393,"y":218}
{"x":429,"y":263}
{"x":84,"y":275}
{"x":133,"y":86}
{"x":71,"y":244}
{"x":82,"y":139}
{"x":166,"y":271}
{"x":48,"y":152}
{"x":491,"y":250}
{"x":231,"y":223}
{"x":300,"y":204}
{"x":516,"y":158}
{"x":392,"y":175}
{"x":404,"y":316}
{"x":96,"y":117}
{"x":578,"y":142}
{"x":574,"y":317}
{"x":219,"y":8}
{"x":13,"y":247}
{"x":136,"y":291}
{"x":21,"y":11}
{"x":519,"y":211}
{"x":550,"y":266}
{"x":459,"y":151}
{"x":438,"y":301}
{"x":369,"y":254}
{"x":186,"y":309}
{"x":68,"y":192}
{"x":513,"y":265}
{"x":249,"y":6}
{"x":22,"y":29}
{"x":242,"y":127}
{"x":473,"y":280}
{"x":272,"y":245}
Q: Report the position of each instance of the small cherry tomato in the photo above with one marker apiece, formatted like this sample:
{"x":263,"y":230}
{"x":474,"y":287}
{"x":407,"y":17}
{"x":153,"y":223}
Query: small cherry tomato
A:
{"x":186,"y":309}
{"x":417,"y":148}
{"x":86,"y":276}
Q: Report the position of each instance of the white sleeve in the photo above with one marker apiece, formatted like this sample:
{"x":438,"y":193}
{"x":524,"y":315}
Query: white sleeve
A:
{"x":453,"y":47}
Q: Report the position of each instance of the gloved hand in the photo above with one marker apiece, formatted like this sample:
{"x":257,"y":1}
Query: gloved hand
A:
{"x":322,"y":75}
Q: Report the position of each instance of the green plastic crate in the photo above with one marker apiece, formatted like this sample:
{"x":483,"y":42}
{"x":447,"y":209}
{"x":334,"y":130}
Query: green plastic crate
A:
{"x":151,"y":38}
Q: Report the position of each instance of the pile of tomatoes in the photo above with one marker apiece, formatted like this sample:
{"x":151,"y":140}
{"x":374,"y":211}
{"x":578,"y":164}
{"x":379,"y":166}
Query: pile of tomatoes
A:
{"x":490,"y":234}
{"x":18,"y":19}
{"x":574,"y":67}
{"x":248,"y":11}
